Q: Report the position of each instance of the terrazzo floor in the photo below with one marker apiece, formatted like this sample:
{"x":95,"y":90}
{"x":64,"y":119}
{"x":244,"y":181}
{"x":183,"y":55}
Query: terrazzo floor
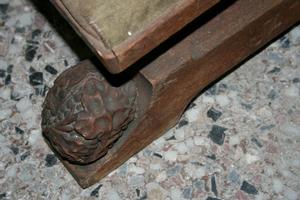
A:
{"x":240,"y":139}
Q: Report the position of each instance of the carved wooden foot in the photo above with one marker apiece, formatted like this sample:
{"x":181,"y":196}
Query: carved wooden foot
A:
{"x":84,"y":115}
{"x":95,"y":127}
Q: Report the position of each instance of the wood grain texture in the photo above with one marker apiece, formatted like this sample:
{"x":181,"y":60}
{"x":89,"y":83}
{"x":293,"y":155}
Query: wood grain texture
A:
{"x":175,"y":77}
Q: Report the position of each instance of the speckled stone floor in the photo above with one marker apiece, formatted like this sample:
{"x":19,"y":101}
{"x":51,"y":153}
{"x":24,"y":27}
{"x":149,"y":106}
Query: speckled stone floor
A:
{"x":240,"y":139}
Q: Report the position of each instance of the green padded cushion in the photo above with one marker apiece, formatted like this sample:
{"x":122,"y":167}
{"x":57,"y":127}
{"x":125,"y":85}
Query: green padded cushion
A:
{"x":116,"y":20}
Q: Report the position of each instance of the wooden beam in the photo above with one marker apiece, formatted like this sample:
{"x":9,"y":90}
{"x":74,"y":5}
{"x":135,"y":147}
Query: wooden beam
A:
{"x":167,"y":84}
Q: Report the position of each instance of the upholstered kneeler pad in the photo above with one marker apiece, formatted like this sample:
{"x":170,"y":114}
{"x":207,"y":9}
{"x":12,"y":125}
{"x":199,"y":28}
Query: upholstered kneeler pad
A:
{"x":120,"y":32}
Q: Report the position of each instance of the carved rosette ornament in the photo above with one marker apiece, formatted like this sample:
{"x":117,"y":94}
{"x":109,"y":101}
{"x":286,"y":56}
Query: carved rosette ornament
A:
{"x":83,"y":115}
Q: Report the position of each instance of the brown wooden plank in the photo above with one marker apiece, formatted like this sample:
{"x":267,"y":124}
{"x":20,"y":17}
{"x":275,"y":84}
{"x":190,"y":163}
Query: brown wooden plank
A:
{"x":174,"y":78}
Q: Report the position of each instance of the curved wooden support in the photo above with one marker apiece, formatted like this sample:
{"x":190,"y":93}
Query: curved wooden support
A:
{"x":163,"y":88}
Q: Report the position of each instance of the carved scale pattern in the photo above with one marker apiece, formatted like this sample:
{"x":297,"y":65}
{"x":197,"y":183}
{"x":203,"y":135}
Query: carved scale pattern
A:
{"x":83,"y":115}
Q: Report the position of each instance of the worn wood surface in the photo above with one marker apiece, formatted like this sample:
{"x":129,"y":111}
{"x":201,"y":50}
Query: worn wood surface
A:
{"x":120,"y":56}
{"x":174,"y":78}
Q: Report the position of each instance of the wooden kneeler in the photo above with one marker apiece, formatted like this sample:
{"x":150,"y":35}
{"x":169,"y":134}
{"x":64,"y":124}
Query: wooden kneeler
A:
{"x":95,"y":123}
